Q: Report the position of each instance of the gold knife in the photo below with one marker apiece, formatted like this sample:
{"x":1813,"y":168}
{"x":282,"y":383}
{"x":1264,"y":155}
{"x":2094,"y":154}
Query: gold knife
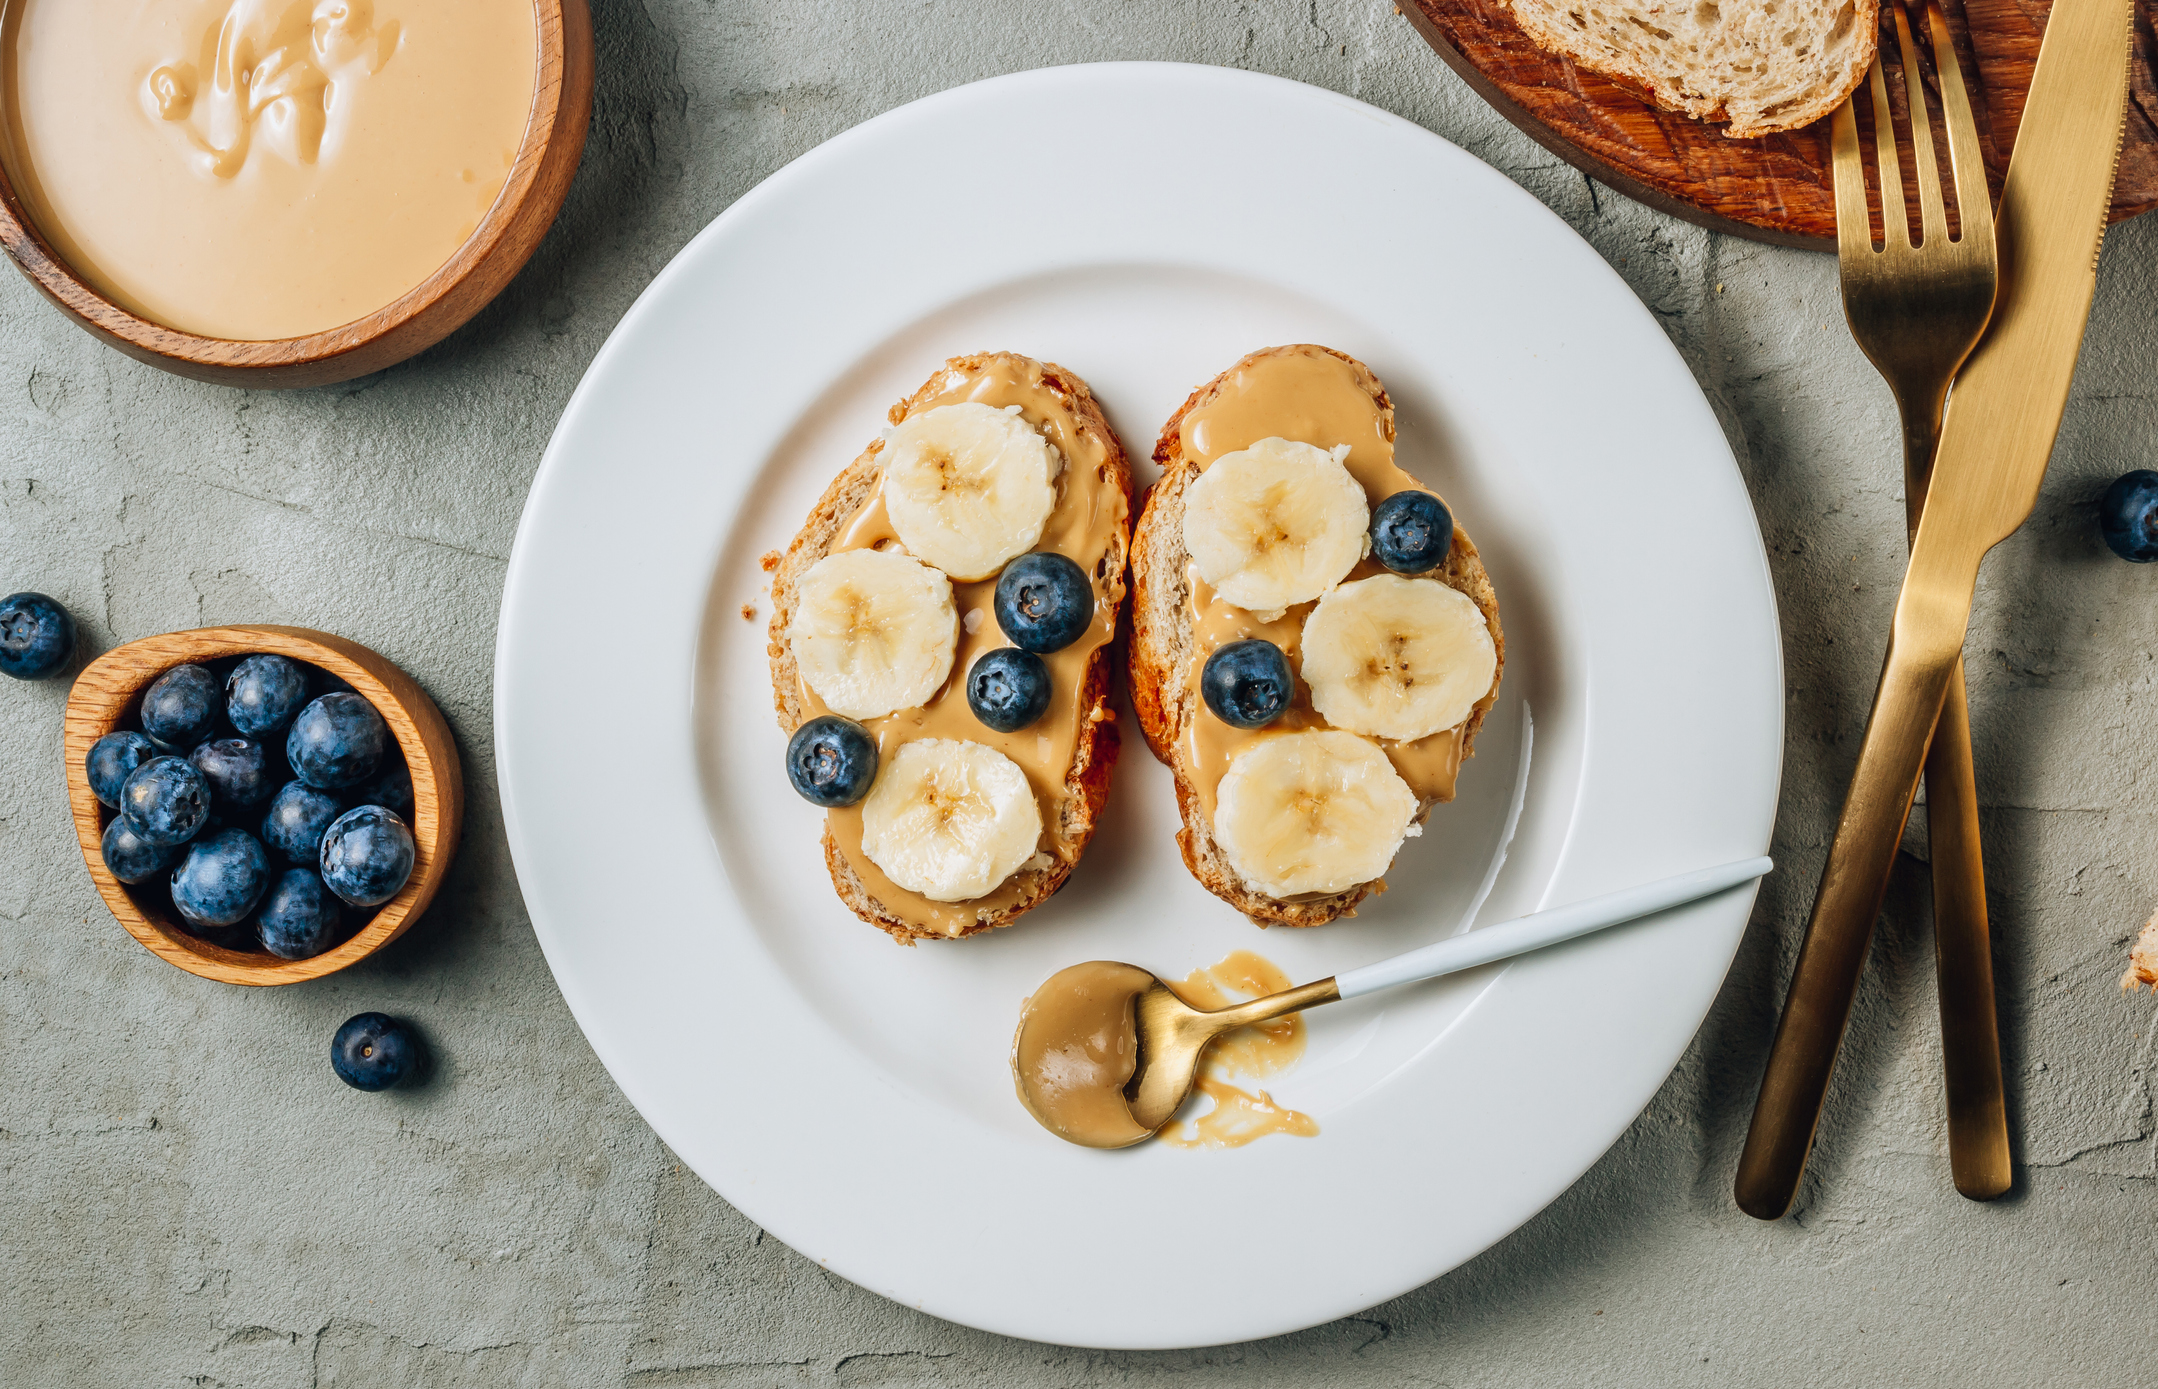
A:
{"x":1995,"y":440}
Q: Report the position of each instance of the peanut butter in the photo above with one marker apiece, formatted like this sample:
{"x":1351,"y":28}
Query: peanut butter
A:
{"x":1077,"y":1048}
{"x":261,"y":169}
{"x":1075,"y":1051}
{"x":1091,"y":514}
{"x":1239,"y":1116}
{"x":1308,"y":396}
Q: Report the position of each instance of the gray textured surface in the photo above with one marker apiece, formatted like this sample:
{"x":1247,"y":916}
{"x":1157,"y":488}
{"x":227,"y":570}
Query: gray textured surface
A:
{"x":190,"y":1199}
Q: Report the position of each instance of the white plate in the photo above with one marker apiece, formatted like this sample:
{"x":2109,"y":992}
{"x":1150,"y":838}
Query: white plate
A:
{"x":1144,"y":225}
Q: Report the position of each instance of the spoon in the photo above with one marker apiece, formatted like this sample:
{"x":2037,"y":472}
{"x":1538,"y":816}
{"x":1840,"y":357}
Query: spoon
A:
{"x":1106,"y":1053}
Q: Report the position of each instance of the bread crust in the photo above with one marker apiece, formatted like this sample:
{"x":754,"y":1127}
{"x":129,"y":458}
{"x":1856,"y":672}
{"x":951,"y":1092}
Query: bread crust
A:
{"x":1866,"y":19}
{"x":1161,"y":646}
{"x":1086,"y":780}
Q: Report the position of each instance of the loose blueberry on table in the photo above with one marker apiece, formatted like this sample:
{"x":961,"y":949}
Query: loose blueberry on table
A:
{"x":373,"y":1051}
{"x":1247,"y":683}
{"x":221,"y":879}
{"x":1008,"y":688}
{"x":238,"y":770}
{"x":131,"y":858}
{"x":367,"y":855}
{"x":182,"y":707}
{"x":299,"y":918}
{"x":112,"y":759}
{"x":165,"y":801}
{"x":264,"y":694}
{"x":2128,"y":516}
{"x":1411,"y":532}
{"x":297,"y":817}
{"x":831,"y":761}
{"x":37,"y":636}
{"x":336,"y":742}
{"x":1044,"y":602}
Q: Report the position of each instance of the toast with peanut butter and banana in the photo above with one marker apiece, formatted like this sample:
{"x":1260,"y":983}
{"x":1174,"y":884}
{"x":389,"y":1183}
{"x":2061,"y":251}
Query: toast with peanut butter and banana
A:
{"x":940,"y":648}
{"x":1314,"y":640}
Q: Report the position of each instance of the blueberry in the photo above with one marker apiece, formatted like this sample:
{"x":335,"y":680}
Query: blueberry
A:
{"x":374,"y":1052}
{"x":1044,"y":602}
{"x":265,"y":693}
{"x":2128,"y":517}
{"x":237,"y":769}
{"x":130,"y":857}
{"x":300,"y":918}
{"x":1411,"y":532}
{"x":165,"y":800}
{"x":831,"y":761}
{"x":1247,"y":683}
{"x":1008,"y":688}
{"x":367,"y":854}
{"x":37,"y":636}
{"x":182,"y":707}
{"x":296,"y":819}
{"x":336,"y":742}
{"x":220,"y":879}
{"x":110,"y":761}
{"x":392,"y":790}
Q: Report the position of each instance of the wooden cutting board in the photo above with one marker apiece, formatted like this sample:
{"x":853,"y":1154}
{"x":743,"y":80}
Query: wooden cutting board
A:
{"x":1776,"y":189}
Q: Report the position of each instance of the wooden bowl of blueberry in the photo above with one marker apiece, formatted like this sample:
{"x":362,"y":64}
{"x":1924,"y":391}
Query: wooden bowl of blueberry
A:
{"x":261,"y":805}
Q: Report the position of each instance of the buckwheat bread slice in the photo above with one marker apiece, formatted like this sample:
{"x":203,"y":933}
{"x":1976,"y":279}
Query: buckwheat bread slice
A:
{"x":1161,"y":650}
{"x":1086,"y":781}
{"x":1765,"y":66}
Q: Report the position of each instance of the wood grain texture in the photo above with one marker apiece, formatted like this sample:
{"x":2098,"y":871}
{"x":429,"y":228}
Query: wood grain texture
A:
{"x":431,"y":311}
{"x":1777,"y":189}
{"x":110,"y":689}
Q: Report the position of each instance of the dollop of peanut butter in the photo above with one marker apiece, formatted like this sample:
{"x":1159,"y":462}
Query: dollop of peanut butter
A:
{"x":1077,"y":1046}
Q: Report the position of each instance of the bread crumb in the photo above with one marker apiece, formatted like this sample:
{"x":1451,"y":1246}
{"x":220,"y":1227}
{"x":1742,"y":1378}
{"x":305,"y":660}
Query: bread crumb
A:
{"x":769,"y":561}
{"x":973,"y":621}
{"x":2143,"y":958}
{"x":749,"y":612}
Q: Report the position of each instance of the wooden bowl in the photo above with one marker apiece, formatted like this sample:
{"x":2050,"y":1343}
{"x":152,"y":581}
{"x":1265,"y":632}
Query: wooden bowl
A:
{"x":109,"y":691}
{"x":428,"y":313}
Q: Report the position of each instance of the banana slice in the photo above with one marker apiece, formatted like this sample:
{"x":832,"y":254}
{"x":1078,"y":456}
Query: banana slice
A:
{"x":1318,"y":811}
{"x":1397,"y":658}
{"x":1275,"y":525}
{"x":967,"y":486}
{"x":873,"y":632}
{"x":950,"y":820}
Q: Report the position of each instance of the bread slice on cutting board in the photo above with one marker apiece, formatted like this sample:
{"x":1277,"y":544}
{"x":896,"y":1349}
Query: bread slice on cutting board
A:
{"x":1765,"y":66}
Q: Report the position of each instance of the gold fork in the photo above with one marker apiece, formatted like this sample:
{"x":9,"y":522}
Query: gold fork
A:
{"x":1916,"y":312}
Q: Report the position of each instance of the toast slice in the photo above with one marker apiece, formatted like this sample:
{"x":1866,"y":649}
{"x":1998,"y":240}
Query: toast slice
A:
{"x":1164,"y":642}
{"x":1765,"y":66}
{"x":1071,"y":807}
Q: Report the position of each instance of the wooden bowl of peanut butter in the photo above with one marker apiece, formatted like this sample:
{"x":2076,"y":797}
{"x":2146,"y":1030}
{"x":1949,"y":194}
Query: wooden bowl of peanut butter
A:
{"x":280,"y":193}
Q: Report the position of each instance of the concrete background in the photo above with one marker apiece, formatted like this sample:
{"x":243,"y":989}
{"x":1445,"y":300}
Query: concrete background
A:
{"x":191,"y":1199}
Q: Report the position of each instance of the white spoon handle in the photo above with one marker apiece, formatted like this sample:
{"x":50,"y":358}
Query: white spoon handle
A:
{"x":1527,"y":933}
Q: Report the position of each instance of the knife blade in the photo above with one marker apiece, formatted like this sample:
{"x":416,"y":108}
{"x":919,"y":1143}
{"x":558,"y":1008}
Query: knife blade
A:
{"x":1998,"y":433}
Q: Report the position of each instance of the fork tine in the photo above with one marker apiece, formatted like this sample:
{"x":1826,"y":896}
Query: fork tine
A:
{"x":1933,"y":220}
{"x":1896,"y":228}
{"x":1974,"y":202}
{"x":1854,"y":229}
